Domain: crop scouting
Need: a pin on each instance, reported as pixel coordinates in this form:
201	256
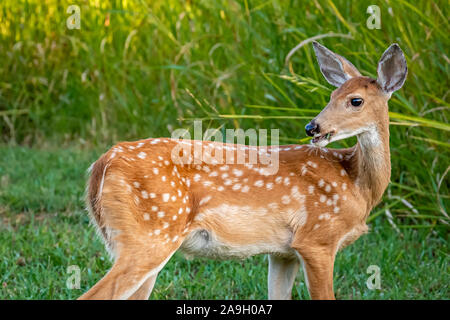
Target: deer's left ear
335	69
392	69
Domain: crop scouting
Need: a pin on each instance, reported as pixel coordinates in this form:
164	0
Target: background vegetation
137	69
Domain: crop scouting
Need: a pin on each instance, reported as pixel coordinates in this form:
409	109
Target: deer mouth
322	138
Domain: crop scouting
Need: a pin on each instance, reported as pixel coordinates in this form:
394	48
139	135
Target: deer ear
335	69
392	69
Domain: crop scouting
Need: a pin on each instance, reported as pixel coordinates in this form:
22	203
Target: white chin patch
321	143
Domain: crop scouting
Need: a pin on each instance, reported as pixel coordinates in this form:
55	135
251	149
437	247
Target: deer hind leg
143	293
132	275
142	250
147	226
282	272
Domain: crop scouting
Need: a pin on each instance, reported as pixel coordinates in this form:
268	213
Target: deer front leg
281	278
318	264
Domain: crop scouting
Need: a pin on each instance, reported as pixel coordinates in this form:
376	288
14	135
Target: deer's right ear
335	69
392	69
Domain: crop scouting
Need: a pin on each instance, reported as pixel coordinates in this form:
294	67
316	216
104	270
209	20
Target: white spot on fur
236	187
142	155
324	216
304	170
166	197
207	183
311	164
259	183
205	200
237	172
285	199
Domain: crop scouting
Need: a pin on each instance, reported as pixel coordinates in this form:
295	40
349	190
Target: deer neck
372	161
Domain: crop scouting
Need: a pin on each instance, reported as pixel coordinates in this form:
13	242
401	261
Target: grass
145	68
138	69
44	230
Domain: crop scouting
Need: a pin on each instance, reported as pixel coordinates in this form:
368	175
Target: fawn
147	206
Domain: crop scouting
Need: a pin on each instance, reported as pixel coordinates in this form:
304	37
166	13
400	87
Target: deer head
359	104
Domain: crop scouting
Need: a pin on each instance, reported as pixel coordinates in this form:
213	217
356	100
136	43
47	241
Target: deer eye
356	102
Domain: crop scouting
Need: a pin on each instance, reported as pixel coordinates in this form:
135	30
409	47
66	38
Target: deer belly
225	235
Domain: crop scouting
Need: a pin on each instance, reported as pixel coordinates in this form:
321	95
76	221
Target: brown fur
121	208
92	194
147	205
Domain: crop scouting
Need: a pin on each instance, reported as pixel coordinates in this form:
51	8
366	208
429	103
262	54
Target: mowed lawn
44	230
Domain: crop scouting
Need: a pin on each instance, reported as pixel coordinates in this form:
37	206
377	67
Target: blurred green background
138	69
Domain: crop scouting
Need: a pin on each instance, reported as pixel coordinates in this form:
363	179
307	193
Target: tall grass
137	69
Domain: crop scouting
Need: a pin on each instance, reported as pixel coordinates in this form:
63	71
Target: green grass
44	230
138	69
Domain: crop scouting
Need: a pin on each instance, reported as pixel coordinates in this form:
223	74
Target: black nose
312	128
